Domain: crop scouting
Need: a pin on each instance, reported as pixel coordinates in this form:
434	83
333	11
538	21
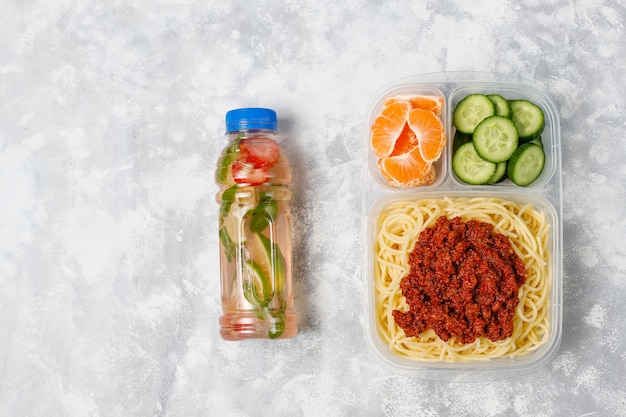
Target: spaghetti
398	228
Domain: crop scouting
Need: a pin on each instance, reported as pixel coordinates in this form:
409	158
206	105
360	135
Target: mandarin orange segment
406	170
420	101
406	141
429	177
388	126
430	133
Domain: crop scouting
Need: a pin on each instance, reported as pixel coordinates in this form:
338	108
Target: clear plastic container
545	195
255	229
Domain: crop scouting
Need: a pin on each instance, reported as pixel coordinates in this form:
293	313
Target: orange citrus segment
406	141
388	126
420	101
406	170
430	133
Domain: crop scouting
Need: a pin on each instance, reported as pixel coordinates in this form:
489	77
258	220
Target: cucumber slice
528	118
526	164
459	139
500	173
495	139
503	107
471	168
537	141
472	110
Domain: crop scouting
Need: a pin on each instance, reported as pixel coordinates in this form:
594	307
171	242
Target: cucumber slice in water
257	286
495	139
470	167
526	164
471	111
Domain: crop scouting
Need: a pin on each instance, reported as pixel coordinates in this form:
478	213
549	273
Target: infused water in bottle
255	229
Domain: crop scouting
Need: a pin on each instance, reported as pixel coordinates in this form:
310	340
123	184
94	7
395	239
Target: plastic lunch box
545	194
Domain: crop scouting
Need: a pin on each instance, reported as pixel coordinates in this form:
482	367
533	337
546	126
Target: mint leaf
227	242
264	213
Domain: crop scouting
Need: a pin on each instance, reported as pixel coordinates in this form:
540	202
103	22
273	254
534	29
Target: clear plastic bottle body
255	237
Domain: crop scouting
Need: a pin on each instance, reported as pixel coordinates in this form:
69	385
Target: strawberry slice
246	174
259	153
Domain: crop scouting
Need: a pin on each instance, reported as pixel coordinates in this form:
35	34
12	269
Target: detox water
254	176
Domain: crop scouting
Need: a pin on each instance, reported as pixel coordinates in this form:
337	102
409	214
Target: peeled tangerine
408	136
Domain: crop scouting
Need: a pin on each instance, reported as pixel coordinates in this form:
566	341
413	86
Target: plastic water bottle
255	229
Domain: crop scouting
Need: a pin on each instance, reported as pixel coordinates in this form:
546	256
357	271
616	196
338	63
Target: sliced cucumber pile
496	139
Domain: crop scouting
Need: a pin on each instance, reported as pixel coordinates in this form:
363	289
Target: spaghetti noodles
398	228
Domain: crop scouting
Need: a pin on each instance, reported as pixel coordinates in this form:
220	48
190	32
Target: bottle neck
251	133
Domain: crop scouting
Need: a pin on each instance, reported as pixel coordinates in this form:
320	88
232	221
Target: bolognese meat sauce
463	281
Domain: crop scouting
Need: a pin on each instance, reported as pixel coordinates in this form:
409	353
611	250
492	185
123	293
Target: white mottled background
111	119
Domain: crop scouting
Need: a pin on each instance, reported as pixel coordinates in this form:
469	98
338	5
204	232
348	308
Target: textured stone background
111	119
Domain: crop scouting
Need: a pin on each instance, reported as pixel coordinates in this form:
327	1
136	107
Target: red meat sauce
463	281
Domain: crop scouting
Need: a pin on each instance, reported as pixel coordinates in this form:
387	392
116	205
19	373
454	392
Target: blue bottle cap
250	118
